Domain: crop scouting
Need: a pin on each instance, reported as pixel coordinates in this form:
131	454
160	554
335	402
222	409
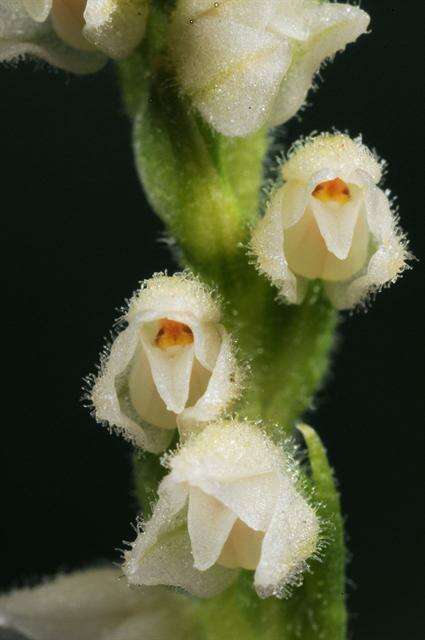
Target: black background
78	235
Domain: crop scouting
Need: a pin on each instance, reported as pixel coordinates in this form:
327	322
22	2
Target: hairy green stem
206	189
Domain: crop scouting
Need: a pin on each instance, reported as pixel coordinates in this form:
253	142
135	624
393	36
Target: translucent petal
243	548
144	394
230	68
290	540
225	452
209	524
308	255
252	499
162	553
332	27
267	245
110	396
207	343
171	371
222	387
337	222
329	155
385	266
181	296
291	201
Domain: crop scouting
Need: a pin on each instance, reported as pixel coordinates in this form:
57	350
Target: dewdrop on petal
74	35
250	64
330	221
173	366
229	502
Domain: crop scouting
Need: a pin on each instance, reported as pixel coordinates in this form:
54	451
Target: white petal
22	36
207	343
225	452
252	499
290	540
380	218
332	27
337	223
385	266
308	256
115	26
95	603
267	245
209	524
329	155
162	553
171	371
180	296
222	388
305	248
144	394
243	548
230	67
111	397
38	9
290	20
291	201
390	254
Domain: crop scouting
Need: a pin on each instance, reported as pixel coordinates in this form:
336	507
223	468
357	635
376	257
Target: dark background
78	235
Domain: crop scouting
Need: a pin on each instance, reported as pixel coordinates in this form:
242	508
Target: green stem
206	190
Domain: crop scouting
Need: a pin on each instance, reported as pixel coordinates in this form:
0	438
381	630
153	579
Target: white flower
173	366
75	35
91	605
249	64
230	501
330	221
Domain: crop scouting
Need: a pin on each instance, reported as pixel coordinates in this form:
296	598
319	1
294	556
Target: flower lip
335	190
172	333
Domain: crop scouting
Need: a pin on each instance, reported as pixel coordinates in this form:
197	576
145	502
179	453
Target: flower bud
230	501
74	35
173	366
250	64
330	221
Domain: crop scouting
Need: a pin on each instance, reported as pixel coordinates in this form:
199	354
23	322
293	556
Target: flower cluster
75	35
232	498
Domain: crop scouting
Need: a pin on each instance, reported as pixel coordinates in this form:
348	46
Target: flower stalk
206	189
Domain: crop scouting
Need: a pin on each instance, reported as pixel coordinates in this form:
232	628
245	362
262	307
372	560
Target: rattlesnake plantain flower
249	64
94	604
330	221
173	366
230	501
75	35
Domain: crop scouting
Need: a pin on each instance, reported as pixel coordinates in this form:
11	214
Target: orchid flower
330	221
229	502
173	366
